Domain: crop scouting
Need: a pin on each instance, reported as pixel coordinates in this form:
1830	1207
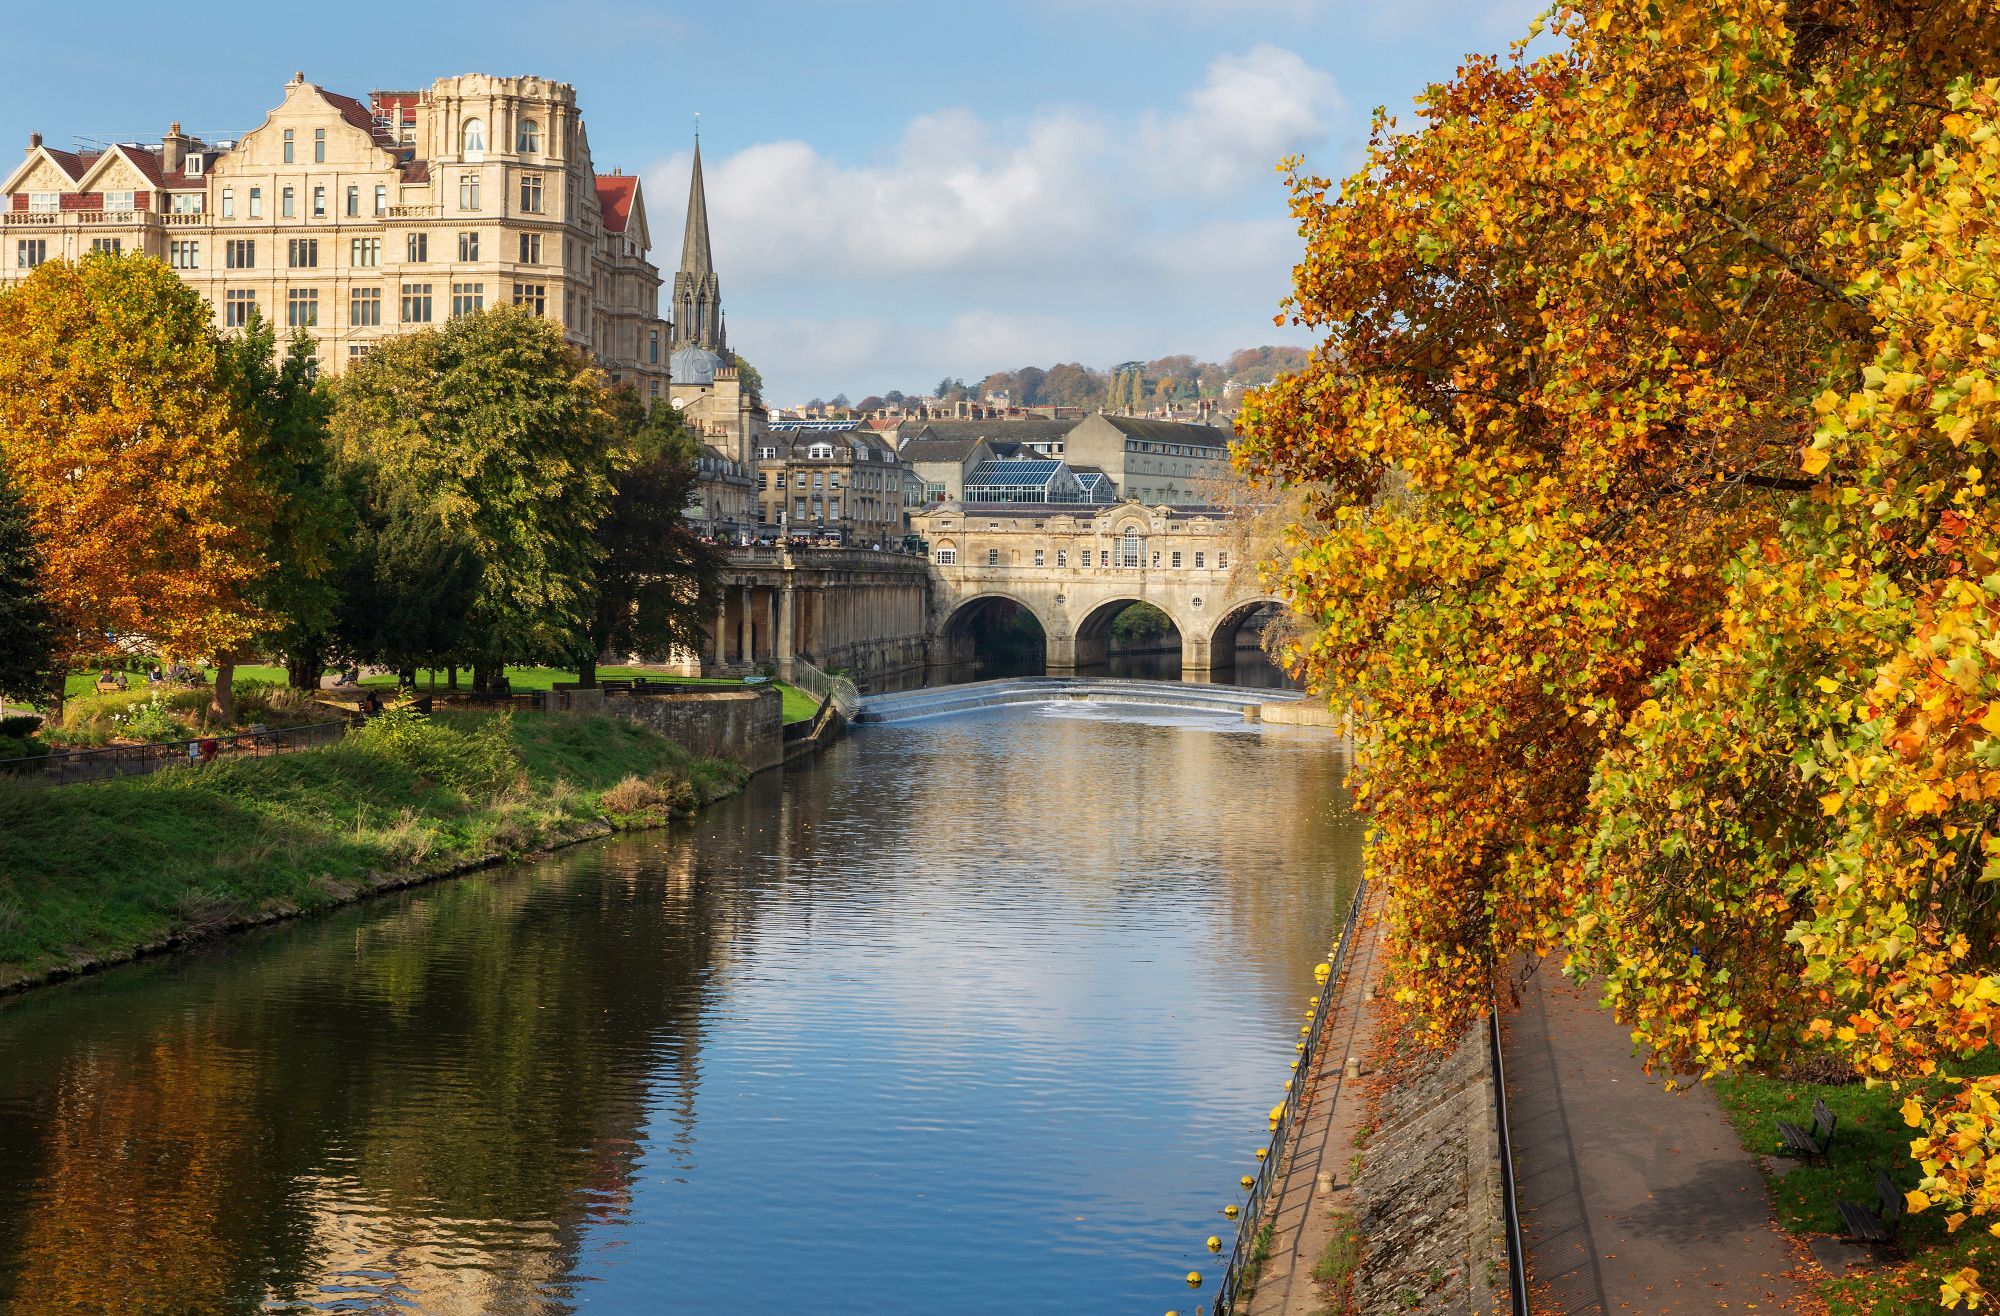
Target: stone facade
1075	568
359	221
838	480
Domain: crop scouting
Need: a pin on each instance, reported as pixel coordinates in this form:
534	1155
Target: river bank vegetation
465	496
1647	526
98	871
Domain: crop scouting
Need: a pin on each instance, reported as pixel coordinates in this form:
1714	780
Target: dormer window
820	452
191	166
475	139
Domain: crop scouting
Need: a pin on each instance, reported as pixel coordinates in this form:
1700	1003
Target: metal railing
1269	1168
822	687
1517	1264
62	769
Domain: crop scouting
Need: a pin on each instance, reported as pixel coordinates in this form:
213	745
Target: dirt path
1633	1199
1322	1144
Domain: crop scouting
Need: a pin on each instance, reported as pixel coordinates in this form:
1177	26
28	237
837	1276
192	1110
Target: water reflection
977	1015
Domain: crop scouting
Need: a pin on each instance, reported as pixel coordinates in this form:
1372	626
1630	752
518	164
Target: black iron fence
1517	1264
60	769
1257	1196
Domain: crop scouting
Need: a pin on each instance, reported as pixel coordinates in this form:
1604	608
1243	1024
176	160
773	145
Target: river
978	1014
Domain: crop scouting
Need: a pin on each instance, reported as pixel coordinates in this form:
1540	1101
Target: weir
909	705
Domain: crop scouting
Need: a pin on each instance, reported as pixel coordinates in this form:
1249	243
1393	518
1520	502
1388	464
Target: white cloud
974	245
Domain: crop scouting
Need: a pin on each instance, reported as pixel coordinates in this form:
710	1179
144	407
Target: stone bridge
1075	569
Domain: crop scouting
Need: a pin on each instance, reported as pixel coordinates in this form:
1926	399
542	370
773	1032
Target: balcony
30	218
429	211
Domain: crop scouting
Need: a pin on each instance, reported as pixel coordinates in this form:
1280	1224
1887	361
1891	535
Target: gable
114	172
351	138
38	173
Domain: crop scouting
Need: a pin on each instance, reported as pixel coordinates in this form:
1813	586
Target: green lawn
1870	1135
799	705
97	869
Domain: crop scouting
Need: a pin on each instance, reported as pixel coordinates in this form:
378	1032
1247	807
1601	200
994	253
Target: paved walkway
1633	1199
1322	1143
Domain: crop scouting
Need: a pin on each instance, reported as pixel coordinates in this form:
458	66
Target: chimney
174	149
34	142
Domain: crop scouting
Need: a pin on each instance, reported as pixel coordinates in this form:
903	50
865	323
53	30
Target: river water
979	1014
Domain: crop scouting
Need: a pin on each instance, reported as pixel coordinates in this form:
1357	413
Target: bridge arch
980	616
1231	620
1092	637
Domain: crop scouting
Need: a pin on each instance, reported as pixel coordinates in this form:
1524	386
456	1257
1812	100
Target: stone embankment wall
1428	1198
745	725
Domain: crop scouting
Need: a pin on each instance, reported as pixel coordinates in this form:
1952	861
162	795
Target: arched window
1129	556
475	139
528	137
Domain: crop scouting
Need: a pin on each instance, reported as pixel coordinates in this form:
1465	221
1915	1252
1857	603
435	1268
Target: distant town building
725	504
705	382
355	222
832	479
1157	462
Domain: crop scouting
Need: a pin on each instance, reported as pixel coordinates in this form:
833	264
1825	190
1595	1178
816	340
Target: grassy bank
99	872
1870	1135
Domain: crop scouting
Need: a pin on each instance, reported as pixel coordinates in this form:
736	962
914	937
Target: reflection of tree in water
434	1101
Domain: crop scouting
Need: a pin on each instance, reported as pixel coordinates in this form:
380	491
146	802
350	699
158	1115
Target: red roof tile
614	197
358	114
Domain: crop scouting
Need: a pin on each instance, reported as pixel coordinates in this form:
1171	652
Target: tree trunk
586	671
406	678
303	671
484	675
452	673
222	704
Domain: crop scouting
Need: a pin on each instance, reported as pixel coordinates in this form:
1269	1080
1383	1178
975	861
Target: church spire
697	297
695	257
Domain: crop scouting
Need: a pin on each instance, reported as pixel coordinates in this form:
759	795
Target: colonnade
860	617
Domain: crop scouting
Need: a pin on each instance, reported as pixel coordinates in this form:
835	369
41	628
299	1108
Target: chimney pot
175	127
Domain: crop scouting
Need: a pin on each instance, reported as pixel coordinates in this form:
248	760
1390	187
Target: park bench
614	684
1869	1226
1811	1144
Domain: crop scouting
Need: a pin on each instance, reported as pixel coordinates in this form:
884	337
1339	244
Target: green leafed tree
287	410
27	628
656	581
490	437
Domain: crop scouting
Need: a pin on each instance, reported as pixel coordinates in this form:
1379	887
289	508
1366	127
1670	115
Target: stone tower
697	293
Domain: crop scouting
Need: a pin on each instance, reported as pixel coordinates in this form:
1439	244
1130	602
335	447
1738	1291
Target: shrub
20	726
20	747
639	798
150	722
479	760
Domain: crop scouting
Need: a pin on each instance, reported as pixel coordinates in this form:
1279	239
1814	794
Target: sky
898	192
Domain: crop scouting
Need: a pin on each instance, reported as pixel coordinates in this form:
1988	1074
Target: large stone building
359	221
831	479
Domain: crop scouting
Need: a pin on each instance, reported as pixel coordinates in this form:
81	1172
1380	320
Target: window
468	191
108	246
763	479
798	509
238	305
355	351
302	308
256	203
381	198
833	509
319	146
1129	549
1198	560
816	480
192	166
1222	561
288	146
534	296
353	201
120	203
30	252
416	303
287	203
992	557
531	248
364	307
528	137
475	139
531	194
44	203
1156	559
1062	558
799	479
419	248
365	252
1038	558
820	452
947	557
229	203
302	253
184	254
767	454
319	203
467	298
1176	561
468	246
653	348
240	254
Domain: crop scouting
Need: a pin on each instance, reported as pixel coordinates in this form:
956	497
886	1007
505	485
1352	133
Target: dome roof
693	365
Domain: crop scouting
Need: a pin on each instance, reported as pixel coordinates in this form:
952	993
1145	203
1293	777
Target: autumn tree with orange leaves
123	441
1650	534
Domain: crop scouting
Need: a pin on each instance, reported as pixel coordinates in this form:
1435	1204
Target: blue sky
899	191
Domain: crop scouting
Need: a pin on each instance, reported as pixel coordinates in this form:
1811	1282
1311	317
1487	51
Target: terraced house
358	221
